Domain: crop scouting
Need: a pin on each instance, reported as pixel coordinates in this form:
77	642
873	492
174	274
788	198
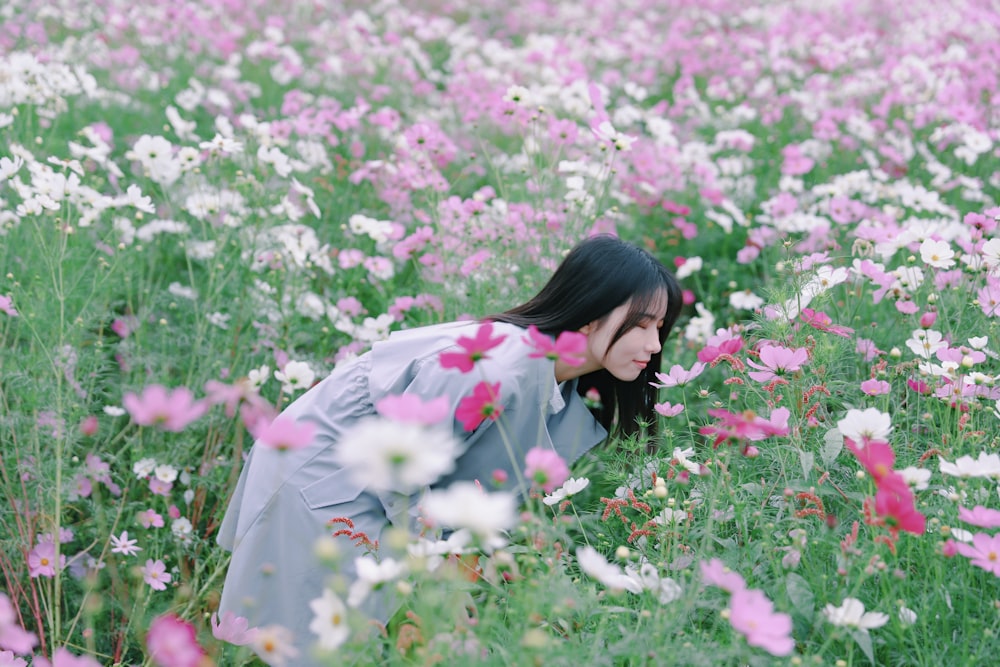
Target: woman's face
626	358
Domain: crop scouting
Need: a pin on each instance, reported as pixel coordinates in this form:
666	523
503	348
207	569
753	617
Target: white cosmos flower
330	620
851	614
570	487
986	465
937	254
609	574
991	253
370	575
389	455
917	478
666	589
466	505
868	423
295	375
925	342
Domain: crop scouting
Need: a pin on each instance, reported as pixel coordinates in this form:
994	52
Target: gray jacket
284	500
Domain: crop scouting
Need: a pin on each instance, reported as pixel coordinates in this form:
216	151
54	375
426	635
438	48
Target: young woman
617	295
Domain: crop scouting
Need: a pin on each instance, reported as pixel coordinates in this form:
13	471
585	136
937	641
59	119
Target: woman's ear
587	328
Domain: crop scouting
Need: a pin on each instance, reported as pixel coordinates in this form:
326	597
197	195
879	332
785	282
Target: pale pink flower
155	574
668	410
752	614
980	516
7	305
169	410
678	376
412	409
42	560
777	361
984	552
232	629
715	573
284	433
545	468
776	424
150	519
12	636
875	387
172	642
64	658
7	659
123	545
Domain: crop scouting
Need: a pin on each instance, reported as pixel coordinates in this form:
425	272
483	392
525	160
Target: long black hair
598	275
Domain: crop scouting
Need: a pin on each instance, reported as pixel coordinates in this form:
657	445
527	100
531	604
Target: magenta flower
820	320
155	574
484	403
569	347
171	411
753	615
980	516
876	456
715	573
172	642
545	468
678	376
777	361
776	424
411	409
740	426
875	387
12	636
232	629
284	433
42	560
984	552
473	349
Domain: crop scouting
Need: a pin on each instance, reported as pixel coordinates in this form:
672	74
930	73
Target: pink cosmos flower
7	659
741	426
715	573
232	629
678	376
169	410
42	560
753	615
777	361
284	433
776	424
172	642
568	347
155	574
160	488
411	409
984	552
668	410
719	345
820	320
150	519
63	658
7	306
473	349
876	456
545	468
875	387
483	403
12	636
980	516
894	501
123	545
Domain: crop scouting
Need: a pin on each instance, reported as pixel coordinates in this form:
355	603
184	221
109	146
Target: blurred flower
907	616
875	387
607	133
155	574
752	614
568	347
545	468
466	505
851	613
678	376
168	410
715	573
473	349
150	519
917	478
595	565
986	465
273	643
412	409
7	659
284	433
668	410
740	426
42	560
391	456
232	628
7	306
64	658
12	636
980	516
984	552
484	403
172	642
330	620
369	575
123	545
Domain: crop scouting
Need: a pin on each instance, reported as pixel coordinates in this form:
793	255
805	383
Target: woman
617	295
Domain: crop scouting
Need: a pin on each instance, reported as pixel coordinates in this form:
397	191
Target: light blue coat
284	500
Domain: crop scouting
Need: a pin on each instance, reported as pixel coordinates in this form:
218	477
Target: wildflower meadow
207	205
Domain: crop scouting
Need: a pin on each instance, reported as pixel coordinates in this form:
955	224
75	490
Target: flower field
205	206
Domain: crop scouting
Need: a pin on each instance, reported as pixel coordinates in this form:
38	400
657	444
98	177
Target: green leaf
833	443
800	594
